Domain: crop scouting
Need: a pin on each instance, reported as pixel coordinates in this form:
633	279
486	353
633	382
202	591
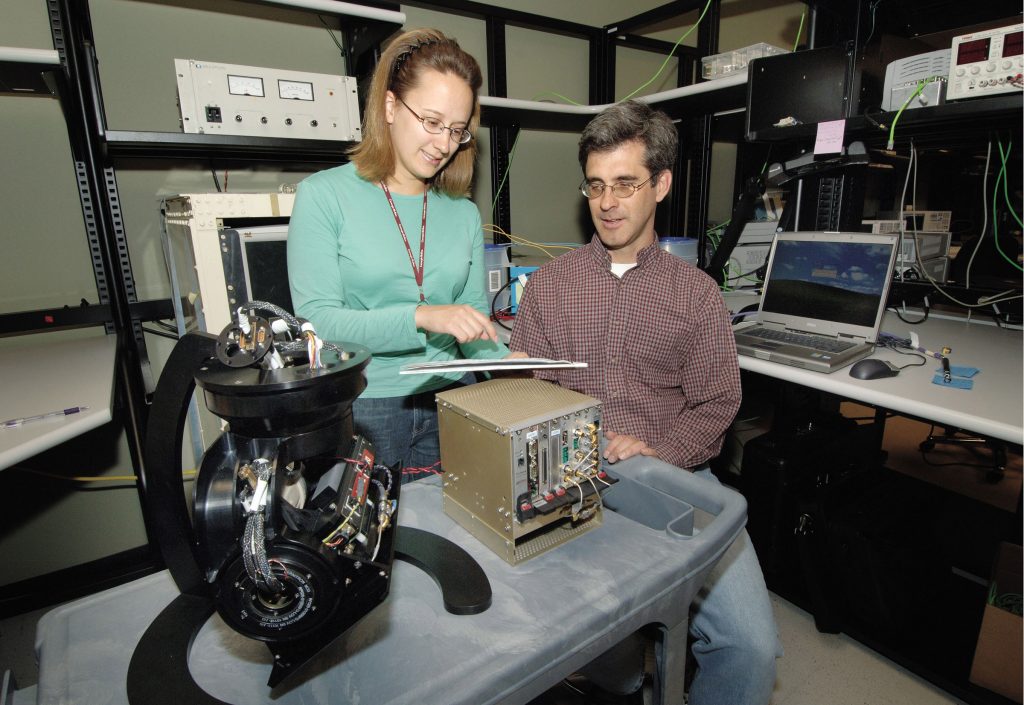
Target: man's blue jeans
732	625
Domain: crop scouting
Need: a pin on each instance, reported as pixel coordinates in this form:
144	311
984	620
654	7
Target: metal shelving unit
694	101
945	123
954	127
71	73
179	145
710	96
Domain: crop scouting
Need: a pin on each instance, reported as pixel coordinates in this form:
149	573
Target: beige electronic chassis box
521	464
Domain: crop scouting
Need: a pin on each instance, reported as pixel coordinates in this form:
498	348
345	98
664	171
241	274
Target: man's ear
662	185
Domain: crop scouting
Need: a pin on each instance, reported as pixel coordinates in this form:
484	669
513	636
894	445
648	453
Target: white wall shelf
28	71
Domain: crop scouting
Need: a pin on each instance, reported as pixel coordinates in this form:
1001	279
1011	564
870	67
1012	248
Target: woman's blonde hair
398	71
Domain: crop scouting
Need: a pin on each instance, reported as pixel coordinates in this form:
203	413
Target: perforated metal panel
513	404
545	541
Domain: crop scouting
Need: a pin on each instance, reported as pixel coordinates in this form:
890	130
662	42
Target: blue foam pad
957	382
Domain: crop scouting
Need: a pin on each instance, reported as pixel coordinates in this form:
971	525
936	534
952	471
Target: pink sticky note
830	137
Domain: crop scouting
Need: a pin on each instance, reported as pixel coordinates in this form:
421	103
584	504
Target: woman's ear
389	107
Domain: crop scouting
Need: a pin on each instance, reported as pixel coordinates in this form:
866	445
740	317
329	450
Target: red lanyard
416	271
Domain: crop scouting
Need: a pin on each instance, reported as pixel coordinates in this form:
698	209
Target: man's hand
620	446
462	322
516	355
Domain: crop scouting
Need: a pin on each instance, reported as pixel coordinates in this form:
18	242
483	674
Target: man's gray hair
632	121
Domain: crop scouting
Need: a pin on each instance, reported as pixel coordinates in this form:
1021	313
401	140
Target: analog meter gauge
245	85
295	90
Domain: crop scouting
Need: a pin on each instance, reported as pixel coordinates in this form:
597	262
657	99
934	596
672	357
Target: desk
43	373
894	536
549	616
993	408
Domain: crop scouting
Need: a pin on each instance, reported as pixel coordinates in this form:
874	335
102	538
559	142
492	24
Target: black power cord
494	301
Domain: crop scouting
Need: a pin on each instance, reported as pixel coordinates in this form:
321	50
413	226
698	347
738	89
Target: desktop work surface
549	616
45	373
993	407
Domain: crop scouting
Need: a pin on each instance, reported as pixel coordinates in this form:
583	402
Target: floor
814	664
850	673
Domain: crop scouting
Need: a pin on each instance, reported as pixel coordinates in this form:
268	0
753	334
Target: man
656	336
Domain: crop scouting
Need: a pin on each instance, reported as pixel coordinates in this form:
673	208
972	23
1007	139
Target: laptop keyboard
808	341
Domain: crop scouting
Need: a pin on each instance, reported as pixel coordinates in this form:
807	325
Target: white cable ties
274	360
243	321
258	500
259	497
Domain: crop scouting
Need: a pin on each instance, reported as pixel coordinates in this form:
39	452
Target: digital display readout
972	52
1012	44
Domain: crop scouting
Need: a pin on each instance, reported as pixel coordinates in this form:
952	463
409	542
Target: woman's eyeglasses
435	127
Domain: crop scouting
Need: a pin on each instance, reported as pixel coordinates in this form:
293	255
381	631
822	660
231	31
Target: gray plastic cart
550	616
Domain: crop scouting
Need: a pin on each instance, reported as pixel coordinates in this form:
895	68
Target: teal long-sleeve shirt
350	274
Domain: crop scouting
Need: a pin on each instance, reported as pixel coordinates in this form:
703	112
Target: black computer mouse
873	368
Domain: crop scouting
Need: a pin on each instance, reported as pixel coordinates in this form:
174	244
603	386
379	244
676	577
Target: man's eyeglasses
436	127
594	189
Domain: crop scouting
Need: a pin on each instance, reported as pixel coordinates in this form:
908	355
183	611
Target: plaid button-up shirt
658	345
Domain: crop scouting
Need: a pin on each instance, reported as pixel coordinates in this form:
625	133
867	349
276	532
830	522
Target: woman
387	251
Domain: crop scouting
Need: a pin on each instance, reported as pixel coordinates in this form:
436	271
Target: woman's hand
462	322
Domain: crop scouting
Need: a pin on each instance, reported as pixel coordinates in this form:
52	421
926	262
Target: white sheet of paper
518	363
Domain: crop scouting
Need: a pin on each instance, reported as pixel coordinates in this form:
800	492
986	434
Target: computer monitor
800	88
256	265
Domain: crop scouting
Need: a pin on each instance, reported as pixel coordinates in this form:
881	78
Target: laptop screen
829	282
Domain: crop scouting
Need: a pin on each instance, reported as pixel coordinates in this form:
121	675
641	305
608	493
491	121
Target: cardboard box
998	657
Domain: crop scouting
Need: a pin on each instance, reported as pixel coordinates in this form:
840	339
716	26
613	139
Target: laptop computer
823	299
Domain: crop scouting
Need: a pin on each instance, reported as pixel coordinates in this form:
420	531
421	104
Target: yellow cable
524	241
518	240
498	230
